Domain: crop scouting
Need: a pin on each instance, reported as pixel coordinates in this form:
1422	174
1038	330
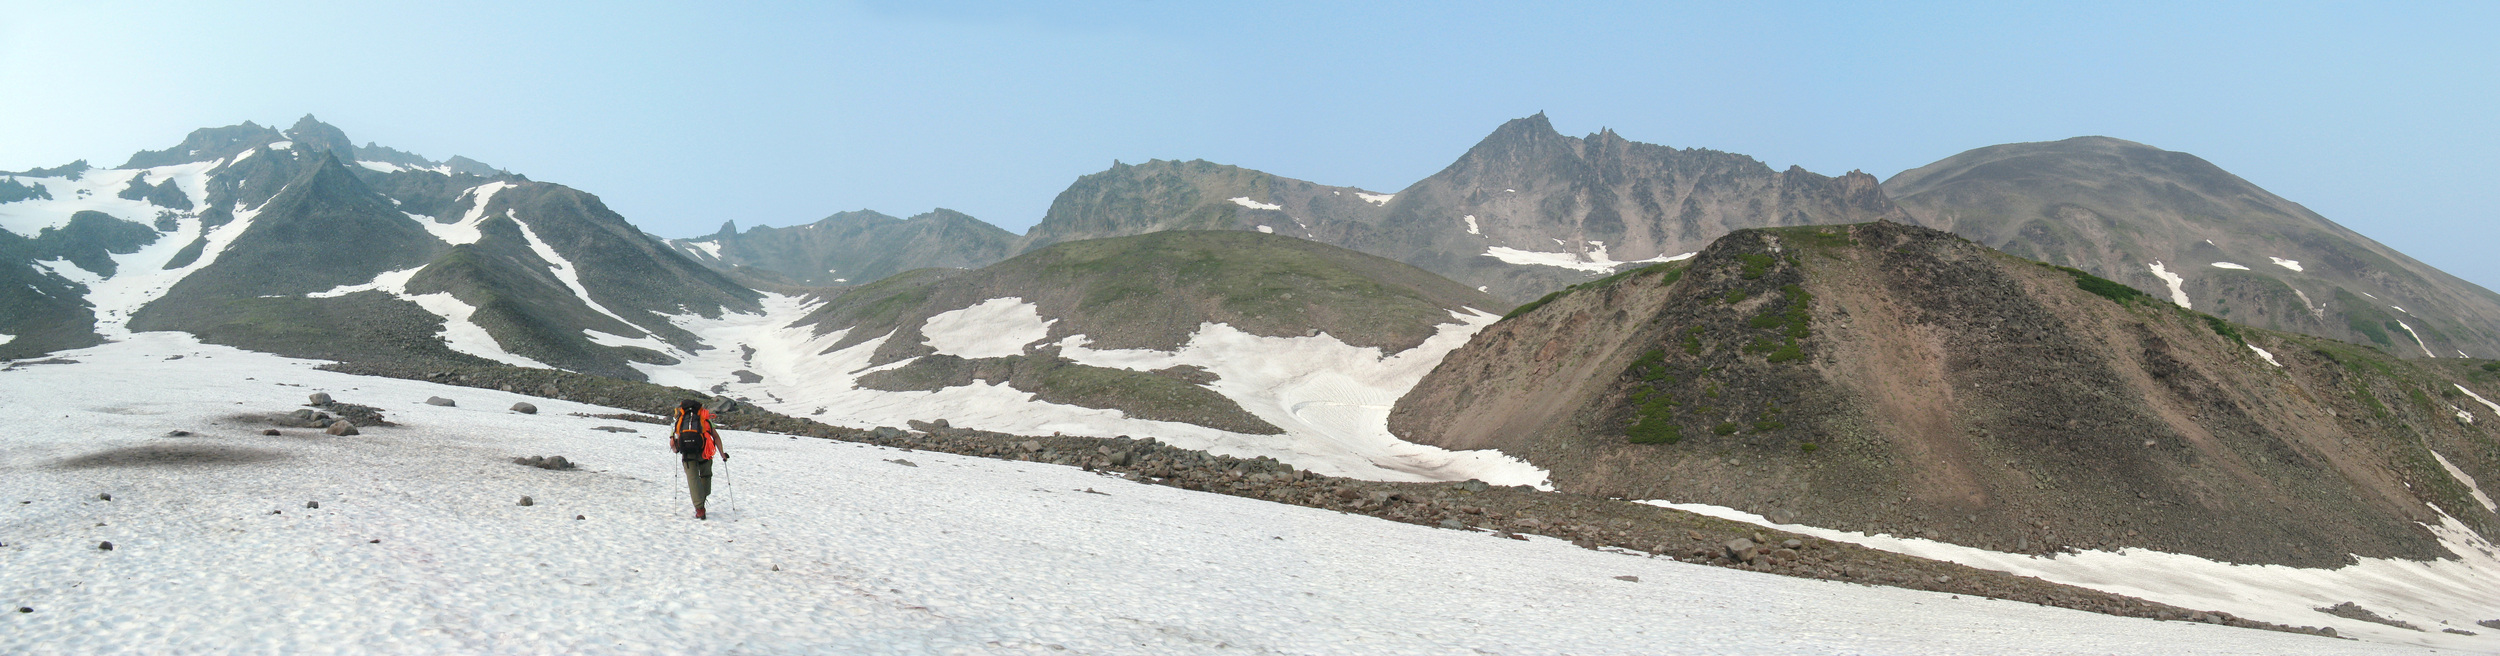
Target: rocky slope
851	247
1524	212
1891	378
286	242
2146	216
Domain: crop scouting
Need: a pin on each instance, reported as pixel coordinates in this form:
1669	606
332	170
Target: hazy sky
682	115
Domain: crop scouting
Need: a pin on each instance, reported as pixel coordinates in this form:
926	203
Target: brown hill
1891	378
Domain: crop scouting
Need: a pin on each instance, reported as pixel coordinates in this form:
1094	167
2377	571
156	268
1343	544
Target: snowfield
418	546
1331	398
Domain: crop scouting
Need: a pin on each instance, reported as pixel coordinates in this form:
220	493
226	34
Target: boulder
320	398
269	431
525	500
1742	550
888	433
312	504
436	400
525	408
1473	485
1031	446
556	462
341	428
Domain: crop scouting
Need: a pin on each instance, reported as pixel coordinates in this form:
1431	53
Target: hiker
695	442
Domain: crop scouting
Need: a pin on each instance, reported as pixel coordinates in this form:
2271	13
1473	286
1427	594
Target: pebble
108	496
269	431
312	504
104	546
525	500
1627	577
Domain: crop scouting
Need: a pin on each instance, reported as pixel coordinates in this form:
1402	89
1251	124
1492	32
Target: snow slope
1331	398
2443	594
828	547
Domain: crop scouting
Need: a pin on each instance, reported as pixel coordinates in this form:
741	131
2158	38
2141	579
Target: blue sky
681	117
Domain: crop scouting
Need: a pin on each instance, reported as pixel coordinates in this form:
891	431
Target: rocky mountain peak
205	145
313	134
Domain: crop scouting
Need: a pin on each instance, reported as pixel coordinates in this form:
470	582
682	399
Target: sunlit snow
1245	201
2470	485
1471	225
2417	339
815	546
1594	261
2440	593
2229	265
994	328
2478	398
2262	353
2177	295
1266	229
2288	264
1375	199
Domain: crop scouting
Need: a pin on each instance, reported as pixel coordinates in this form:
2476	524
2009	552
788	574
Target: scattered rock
613	429
1453	524
531	461
2458	632
525	500
2489	624
269	431
2352	611
104	546
940	423
579	517
747	377
1473	485
1794	543
906	463
556	463
321	398
178	433
1628	577
1031	446
25	609
436	400
341	428
312	504
525	408
888	433
374	541
108	496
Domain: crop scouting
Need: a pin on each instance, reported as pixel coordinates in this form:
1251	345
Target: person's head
690	405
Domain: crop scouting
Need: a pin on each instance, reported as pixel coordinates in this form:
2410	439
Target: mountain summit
2204	238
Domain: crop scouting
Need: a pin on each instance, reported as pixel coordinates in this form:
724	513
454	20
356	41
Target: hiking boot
698	513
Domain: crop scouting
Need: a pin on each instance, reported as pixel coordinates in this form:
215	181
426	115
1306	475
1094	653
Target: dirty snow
994	328
1245	201
2417	340
2461	477
2228	265
2288	264
2453	593
1375	199
2262	353
817	547
2177	295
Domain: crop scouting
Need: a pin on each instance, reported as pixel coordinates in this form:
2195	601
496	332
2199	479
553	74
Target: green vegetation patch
2105	288
2225	329
1755	264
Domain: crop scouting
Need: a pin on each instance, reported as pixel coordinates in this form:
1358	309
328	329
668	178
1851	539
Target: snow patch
385	167
2417	340
1245	201
711	248
994	328
1595	261
465	230
2177	295
2495	407
1375	199
5	338
563	268
2288	264
2461	477
1266	229
1471	225
2448	592
2262	353
2400	308
2229	265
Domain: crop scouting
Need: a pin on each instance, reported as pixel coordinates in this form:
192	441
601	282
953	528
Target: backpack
687	439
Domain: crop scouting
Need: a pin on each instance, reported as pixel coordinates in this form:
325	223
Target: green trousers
699	480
